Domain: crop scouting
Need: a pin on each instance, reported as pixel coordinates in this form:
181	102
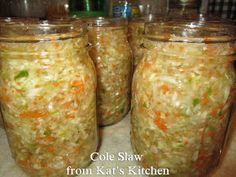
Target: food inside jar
136	37
181	100
48	102
111	54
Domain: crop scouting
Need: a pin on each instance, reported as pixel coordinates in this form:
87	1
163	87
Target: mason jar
112	56
136	30
136	35
182	95
48	95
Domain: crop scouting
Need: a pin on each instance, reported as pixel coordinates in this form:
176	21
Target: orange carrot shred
159	123
146	65
45	138
79	85
165	88
51	149
33	114
205	99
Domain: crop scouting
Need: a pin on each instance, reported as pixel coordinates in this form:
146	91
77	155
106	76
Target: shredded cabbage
48	104
181	97
111	54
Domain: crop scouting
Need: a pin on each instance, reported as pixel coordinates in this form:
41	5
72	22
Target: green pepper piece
196	101
23	73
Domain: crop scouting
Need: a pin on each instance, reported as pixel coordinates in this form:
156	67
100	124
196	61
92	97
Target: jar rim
105	22
204	29
146	19
33	29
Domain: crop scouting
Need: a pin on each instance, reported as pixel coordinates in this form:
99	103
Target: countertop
116	139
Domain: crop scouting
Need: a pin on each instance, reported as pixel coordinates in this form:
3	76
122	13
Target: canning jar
182	95
136	30
112	56
136	35
48	95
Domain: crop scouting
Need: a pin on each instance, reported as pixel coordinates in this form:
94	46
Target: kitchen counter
115	140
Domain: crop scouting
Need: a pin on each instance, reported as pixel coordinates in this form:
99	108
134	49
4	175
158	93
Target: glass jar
1	120
136	30
182	95
48	87
27	8
57	9
112	56
136	36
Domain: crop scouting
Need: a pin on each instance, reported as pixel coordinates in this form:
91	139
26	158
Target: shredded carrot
56	44
3	47
45	139
35	125
20	91
121	49
222	117
58	99
211	51
70	116
77	149
104	39
24	163
79	86
54	39
221	106
34	114
205	99
3	90
68	104
230	59
165	88
78	100
186	141
9	125
5	99
177	114
43	164
214	112
86	77
51	149
146	65
37	86
142	109
211	134
114	66
56	84
159	123
167	114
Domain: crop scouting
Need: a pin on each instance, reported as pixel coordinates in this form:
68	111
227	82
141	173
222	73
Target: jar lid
203	29
23	29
